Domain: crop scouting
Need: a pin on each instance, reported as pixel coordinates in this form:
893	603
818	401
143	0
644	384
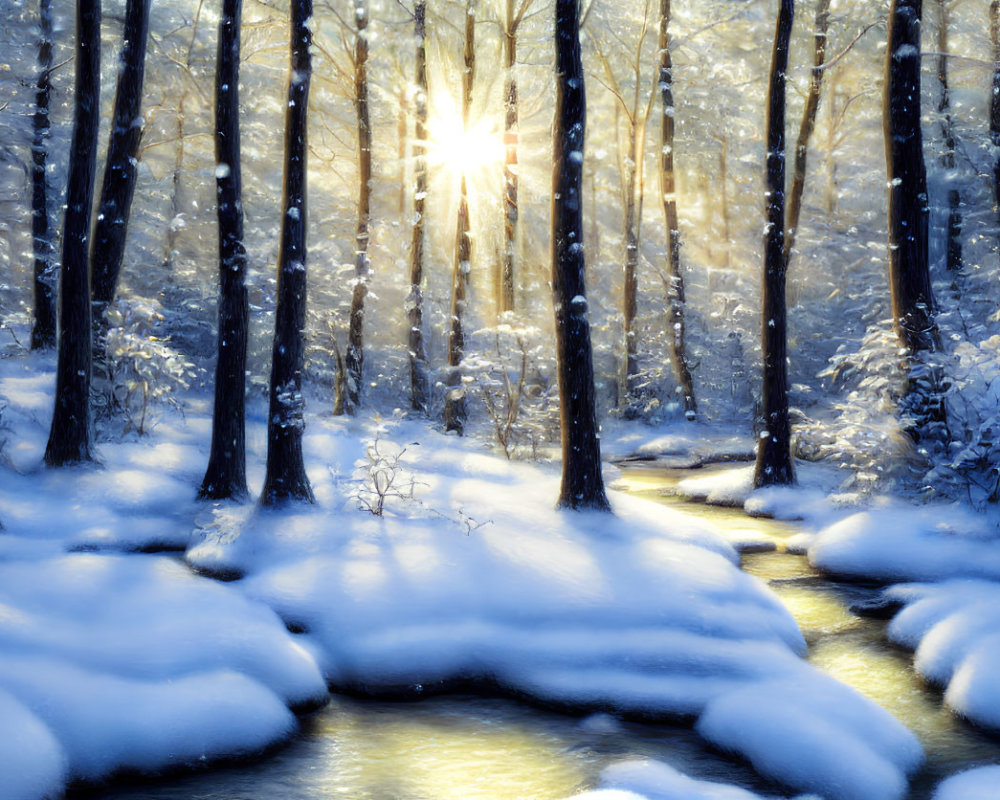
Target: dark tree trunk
121	166
909	274
355	338
226	473
510	136
807	126
455	413
286	477
995	96
419	382
43	331
582	481
70	434
668	196
953	246
774	455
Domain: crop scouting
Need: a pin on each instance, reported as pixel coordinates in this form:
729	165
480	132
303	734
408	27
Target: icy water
473	748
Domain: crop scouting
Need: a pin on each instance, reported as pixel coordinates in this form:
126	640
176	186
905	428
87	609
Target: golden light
476	150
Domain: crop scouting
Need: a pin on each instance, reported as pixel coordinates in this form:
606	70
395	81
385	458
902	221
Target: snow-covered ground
114	659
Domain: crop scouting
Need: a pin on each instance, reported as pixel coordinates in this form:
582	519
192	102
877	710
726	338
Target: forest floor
116	655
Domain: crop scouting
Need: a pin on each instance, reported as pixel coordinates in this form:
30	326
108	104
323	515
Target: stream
476	748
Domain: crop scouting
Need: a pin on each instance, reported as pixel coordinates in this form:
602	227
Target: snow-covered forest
199	552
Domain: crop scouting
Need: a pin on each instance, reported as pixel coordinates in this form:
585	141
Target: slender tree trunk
226	473
70	436
727	236
43	331
774	456
807	126
455	414
121	166
995	96
582	481
286	477
909	274
176	204
510	137
630	287
668	197
354	362
953	247
419	383
402	147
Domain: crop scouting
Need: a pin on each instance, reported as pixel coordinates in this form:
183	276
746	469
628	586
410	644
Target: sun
460	151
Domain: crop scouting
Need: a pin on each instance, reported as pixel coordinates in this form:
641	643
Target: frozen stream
477	748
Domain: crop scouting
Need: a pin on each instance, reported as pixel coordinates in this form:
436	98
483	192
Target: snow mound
975	784
32	762
897	544
120	666
954	627
815	734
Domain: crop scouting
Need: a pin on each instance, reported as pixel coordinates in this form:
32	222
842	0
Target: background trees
165	318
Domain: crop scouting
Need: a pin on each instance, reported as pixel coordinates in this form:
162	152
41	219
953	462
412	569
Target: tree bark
43	331
909	274
807	126
630	287
774	457
995	96
953	245
121	165
286	477
354	361
226	473
668	195
582	482
419	383
70	436
455	414
510	137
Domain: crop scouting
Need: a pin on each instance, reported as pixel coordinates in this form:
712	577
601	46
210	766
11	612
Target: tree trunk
807	126
953	247
774	456
995	96
668	195
70	435
419	383
354	362
455	413
43	331
582	481
630	286
510	136
909	275
286	477
226	473
121	165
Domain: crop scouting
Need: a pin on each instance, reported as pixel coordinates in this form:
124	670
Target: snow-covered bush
511	373
863	436
138	371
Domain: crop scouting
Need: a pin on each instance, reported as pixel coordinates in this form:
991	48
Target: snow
975	784
644	779
115	660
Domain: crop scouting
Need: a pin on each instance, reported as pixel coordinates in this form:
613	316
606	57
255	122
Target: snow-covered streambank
114	661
